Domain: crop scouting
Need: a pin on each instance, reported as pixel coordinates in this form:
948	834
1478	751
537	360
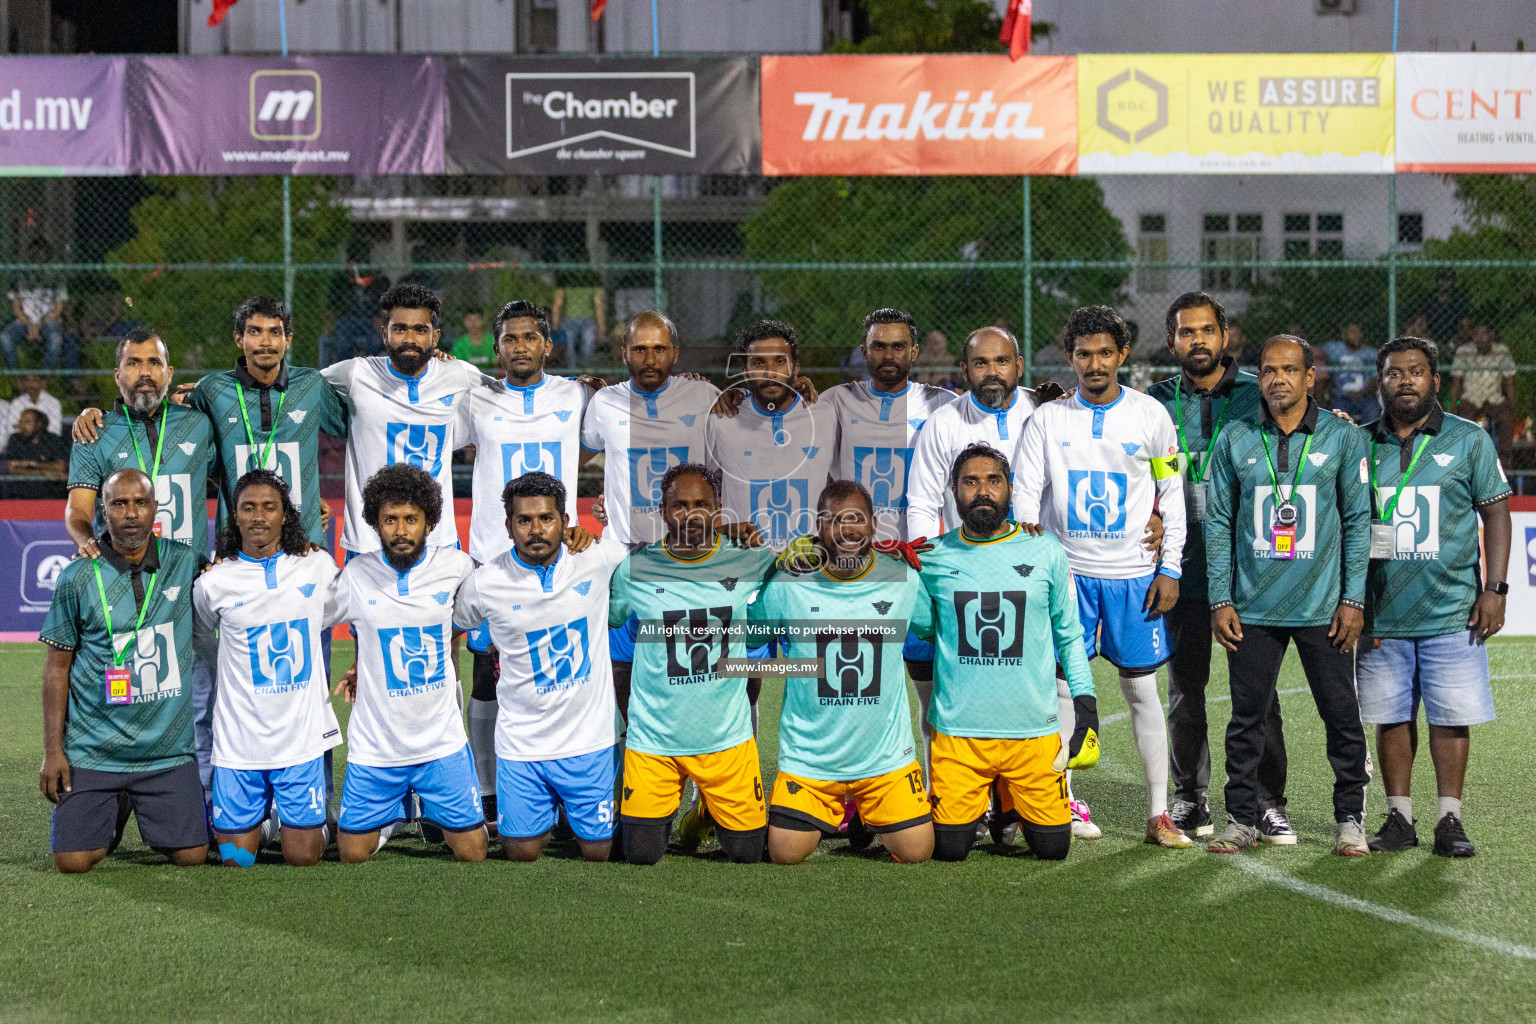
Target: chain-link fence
1346	262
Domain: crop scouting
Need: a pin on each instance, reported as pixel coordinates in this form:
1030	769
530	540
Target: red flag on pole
220	8
598	7
1015	27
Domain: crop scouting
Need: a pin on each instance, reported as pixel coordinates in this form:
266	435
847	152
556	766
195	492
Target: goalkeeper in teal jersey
847	733
683	601
1002	598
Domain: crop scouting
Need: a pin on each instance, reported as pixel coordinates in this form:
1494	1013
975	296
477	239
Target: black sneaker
1193	818
859	835
1396	834
489	804
1275	828
431	833
1451	839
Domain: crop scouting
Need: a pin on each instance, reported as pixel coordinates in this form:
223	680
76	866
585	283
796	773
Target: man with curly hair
405	735
259	614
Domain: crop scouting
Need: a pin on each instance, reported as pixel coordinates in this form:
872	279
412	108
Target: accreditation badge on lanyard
1383	530
1194	480
1282	532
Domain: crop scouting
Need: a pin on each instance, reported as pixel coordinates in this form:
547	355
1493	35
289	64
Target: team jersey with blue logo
854	722
685	615
181	485
772	465
397	419
260	621
1092	474
1001	607
536	429
642	434
407	708
148	727
1428	588
1333	525
286	420
950	430
877	434
550	627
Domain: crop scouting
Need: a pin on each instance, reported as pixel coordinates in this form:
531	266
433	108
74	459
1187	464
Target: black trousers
1189	747
1254	668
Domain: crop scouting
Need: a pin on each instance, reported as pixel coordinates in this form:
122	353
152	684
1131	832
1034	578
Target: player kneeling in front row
683	601
260	612
557	722
848	733
1002	597
405	735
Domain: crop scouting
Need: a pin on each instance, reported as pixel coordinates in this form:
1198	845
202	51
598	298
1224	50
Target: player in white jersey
405	735
775	454
530	422
1091	469
259	612
558	728
403	409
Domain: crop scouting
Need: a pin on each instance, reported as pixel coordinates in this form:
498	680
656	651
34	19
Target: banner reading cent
1466	112
927	114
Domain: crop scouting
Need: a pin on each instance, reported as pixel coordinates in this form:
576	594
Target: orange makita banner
931	114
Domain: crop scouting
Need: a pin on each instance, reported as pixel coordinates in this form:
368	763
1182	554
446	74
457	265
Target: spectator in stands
1483	386
934	365
1353	364
354	301
855	366
579	313
1445	310
35	450
476	345
38	304
33	396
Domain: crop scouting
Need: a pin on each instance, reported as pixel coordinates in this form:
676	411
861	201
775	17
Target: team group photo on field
613	511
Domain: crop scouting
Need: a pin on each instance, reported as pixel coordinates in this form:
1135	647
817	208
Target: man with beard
684	601
117	717
1091	468
558	725
529	422
774	455
173	446
1288	539
1430	603
1002	595
259	613
847	735
1209	393
404	408
405	735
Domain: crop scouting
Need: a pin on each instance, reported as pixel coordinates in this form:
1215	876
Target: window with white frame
1313	236
1227	240
1152	247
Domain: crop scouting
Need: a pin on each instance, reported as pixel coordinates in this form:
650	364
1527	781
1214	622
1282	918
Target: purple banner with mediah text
286	115
62	115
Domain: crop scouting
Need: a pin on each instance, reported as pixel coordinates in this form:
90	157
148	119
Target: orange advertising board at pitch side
930	114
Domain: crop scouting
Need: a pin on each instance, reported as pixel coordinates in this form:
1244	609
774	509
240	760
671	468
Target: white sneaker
1082	825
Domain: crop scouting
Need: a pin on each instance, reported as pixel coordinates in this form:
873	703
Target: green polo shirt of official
286	419
1199	414
1429	587
152	729
181	481
1332	500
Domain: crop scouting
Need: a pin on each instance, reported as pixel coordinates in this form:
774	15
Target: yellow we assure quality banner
1235	113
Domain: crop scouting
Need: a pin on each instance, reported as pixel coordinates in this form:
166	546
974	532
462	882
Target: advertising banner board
62	115
1460	113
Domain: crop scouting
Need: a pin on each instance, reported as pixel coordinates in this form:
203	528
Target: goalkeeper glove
799	556
902	550
1083	749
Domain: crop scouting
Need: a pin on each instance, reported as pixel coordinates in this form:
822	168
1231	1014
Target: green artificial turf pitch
1118	932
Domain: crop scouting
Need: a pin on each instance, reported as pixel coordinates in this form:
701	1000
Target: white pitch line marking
1275	876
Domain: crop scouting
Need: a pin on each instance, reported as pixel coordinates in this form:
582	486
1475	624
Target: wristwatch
1502	589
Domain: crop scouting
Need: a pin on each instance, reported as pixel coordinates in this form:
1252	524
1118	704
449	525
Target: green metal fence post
656	237
1026	338
288	241
1392	257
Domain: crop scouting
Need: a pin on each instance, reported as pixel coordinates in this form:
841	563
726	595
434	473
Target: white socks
482	743
1067	716
1402	805
1151	731
1449	805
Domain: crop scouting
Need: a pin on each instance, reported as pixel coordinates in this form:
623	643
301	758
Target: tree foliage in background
227	220
933	26
1317	303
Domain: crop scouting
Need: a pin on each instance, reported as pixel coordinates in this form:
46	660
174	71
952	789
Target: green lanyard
159	443
1270	462
250	438
1386	513
1196	467
106	608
